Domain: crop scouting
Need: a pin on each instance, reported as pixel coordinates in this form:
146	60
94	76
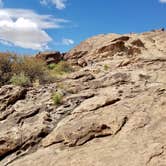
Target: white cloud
26	29
162	1
67	41
59	4
64	41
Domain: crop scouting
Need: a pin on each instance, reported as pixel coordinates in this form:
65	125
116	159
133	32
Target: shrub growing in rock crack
57	98
106	67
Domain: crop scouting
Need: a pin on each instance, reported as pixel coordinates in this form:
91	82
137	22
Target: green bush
51	66
20	80
57	98
106	67
62	68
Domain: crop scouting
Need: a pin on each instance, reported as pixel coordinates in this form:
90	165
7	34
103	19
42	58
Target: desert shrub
106	67
20	80
32	67
6	60
11	65
51	66
62	68
57	98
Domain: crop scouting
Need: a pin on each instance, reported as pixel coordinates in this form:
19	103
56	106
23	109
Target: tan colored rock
82	62
9	140
113	111
9	95
95	103
141	137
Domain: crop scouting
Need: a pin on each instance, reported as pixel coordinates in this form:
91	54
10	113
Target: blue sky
29	26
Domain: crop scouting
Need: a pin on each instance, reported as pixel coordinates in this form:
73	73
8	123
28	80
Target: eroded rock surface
113	111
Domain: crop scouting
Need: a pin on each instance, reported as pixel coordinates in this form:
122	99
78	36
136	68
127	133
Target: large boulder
50	57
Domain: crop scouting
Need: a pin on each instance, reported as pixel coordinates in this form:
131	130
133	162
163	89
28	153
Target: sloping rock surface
113	112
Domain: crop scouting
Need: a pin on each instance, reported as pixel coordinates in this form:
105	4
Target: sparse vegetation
6	60
61	68
33	68
20	80
106	67
57	98
51	66
22	69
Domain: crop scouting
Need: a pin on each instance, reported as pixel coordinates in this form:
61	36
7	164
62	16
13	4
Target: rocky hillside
112	112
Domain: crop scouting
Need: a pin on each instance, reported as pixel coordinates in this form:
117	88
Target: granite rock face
113	111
